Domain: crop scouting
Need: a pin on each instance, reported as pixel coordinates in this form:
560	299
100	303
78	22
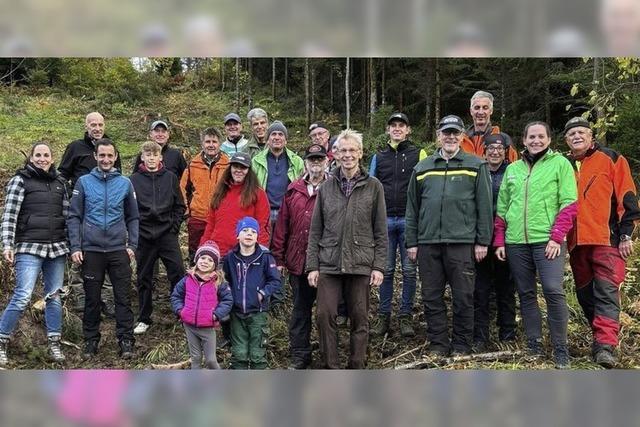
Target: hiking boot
297	364
55	351
561	356
141	328
381	325
406	327
108	310
605	358
126	349
534	349
460	351
436	351
4	360
480	346
90	349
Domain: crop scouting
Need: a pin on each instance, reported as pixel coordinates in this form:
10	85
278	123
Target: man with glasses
448	229
319	134
491	273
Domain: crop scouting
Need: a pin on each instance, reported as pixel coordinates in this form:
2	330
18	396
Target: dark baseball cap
499	138
316	125
315	150
241	159
451	122
158	123
576	122
398	116
232	116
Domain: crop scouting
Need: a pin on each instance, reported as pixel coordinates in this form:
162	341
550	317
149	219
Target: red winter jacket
291	234
221	223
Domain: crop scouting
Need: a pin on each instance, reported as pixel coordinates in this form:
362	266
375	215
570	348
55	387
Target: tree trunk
331	89
286	76
249	83
364	91
373	106
347	95
237	84
437	94
383	84
273	79
428	99
313	90
597	64
306	93
222	74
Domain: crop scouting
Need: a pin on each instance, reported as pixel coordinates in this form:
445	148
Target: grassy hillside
26	117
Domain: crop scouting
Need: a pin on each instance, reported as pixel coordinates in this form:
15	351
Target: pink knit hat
208	248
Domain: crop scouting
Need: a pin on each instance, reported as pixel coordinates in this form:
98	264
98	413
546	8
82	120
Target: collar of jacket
105	175
501	169
526	157
90	140
458	156
471	131
261	157
32	171
143	169
257	254
337	174
595	147
401	146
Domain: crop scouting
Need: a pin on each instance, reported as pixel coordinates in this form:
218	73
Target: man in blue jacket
103	235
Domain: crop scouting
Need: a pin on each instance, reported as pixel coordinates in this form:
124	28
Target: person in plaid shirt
34	240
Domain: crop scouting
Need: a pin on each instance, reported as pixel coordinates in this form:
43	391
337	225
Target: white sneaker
141	328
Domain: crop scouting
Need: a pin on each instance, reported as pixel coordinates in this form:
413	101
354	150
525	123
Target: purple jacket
196	303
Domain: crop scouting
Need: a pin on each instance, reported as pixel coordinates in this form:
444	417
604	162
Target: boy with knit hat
253	277
201	300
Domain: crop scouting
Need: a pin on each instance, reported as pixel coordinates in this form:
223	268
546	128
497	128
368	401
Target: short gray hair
481	94
257	113
352	135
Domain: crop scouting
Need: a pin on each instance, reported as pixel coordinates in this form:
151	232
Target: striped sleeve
13	201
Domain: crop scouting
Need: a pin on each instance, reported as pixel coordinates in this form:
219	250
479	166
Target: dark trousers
598	272
195	229
440	264
525	260
300	325
356	295
493	274
94	266
278	296
166	248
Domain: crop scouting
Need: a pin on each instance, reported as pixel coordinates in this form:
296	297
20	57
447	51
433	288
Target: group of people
475	215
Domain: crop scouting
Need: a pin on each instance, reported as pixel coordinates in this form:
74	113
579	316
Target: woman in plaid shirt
34	239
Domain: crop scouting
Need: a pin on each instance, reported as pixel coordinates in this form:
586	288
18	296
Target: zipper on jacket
444	186
153	201
584	194
195	315
50	214
106	198
526	201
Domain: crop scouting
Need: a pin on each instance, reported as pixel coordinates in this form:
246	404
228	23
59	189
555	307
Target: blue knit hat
247	222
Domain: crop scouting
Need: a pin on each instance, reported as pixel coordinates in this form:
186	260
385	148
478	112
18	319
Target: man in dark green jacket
448	228
347	250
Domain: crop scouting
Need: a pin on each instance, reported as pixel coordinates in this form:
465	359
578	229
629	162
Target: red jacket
607	199
291	234
221	223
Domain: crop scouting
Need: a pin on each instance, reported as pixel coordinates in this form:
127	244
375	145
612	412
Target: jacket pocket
363	251
328	253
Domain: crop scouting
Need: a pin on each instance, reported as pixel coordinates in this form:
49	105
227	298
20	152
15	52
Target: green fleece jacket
449	201
259	166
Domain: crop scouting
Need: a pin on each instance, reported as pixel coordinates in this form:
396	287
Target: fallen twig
179	365
496	355
70	344
386	362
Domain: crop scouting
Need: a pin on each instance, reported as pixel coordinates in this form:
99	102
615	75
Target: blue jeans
395	230
28	268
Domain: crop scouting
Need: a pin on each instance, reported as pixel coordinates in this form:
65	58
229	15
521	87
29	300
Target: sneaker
380	325
4	360
561	356
141	328
406	327
55	351
605	358
534	349
126	349
90	349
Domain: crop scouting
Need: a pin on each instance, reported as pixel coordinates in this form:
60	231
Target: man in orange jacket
481	110
600	240
199	182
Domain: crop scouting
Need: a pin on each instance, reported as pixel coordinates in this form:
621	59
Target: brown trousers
356	295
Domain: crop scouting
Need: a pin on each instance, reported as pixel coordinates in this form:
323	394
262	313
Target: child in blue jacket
201	299
253	277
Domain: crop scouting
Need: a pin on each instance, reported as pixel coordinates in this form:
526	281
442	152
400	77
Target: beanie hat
576	122
278	126
247	222
209	248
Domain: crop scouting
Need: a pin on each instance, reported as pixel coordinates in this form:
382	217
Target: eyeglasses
348	151
495	148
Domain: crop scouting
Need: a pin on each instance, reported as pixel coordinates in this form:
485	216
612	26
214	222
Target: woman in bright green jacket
536	209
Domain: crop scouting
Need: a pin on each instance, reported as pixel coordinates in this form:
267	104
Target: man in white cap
235	141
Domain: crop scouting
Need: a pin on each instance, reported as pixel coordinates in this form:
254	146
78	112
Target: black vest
41	219
393	170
